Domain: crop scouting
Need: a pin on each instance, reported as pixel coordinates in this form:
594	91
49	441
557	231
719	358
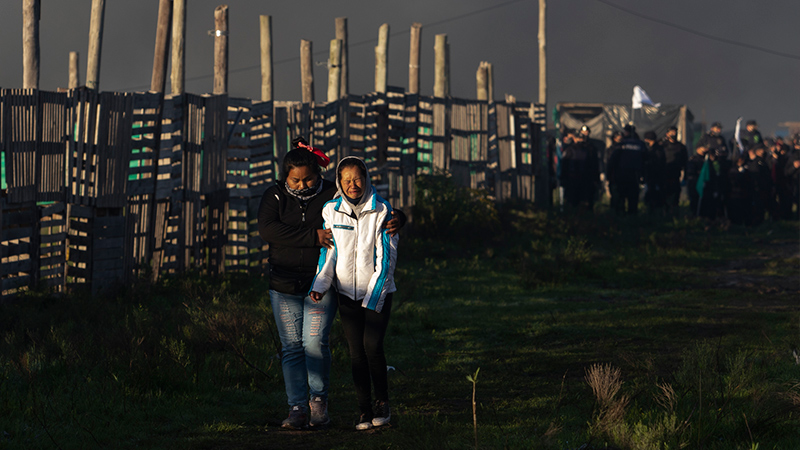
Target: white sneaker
364	423
382	414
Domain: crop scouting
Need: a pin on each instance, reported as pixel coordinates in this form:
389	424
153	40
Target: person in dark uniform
750	136
613	193
654	174
783	208
762	177
693	168
625	171
740	200
721	153
580	173
675	158
792	178
598	145
714	142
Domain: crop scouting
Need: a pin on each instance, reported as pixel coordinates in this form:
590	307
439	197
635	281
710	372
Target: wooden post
178	76
341	34
158	81
447	69
381	59
542	193
74	74
413	58
306	71
266	58
440	80
95	44
334	70
221	50
542	55
482	82
30	44
490	81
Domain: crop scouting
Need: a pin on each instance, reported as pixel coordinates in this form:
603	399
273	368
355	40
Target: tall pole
413	58
178	76
306	71
440	70
490	81
341	34
221	50
30	44
542	194
74	74
334	70
95	44
381	59
481	80
542	55
266	58
158	81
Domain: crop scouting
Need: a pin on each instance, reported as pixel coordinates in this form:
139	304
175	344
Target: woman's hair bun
298	140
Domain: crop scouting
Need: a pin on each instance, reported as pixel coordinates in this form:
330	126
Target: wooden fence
100	188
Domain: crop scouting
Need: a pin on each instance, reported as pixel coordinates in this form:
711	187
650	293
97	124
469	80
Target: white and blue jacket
364	256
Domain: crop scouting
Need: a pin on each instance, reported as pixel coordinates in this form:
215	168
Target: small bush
446	211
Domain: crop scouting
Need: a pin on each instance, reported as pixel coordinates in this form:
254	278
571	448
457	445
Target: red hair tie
322	159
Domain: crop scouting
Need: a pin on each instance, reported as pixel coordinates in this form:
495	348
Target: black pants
627	193
365	330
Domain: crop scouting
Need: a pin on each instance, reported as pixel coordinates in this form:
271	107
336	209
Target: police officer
740	200
693	168
675	159
625	171
714	142
580	172
654	173
751	136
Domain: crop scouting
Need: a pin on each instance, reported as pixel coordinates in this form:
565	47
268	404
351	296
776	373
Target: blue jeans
304	328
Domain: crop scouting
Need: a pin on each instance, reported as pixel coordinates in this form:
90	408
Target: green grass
700	320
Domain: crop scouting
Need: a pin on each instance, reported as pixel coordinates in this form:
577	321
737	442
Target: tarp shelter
605	118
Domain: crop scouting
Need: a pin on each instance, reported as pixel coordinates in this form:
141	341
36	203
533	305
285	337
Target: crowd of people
745	180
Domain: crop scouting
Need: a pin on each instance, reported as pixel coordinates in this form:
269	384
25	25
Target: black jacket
289	226
676	157
715	143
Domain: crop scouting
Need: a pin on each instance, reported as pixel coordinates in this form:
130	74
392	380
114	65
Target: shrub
444	210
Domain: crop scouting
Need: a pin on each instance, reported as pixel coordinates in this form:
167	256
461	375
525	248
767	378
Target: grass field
577	332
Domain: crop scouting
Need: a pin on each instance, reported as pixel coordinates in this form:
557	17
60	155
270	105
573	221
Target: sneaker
364	422
319	412
297	420
382	414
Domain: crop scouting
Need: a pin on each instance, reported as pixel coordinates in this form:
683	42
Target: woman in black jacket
290	220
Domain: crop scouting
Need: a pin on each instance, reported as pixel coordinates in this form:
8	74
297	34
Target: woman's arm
385	263
326	267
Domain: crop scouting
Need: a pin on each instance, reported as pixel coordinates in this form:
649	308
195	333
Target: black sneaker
319	412
297	420
364	422
382	413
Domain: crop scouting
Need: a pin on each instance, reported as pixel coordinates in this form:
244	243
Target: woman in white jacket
361	264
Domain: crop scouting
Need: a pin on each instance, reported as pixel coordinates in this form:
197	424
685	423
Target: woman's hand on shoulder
394	224
325	238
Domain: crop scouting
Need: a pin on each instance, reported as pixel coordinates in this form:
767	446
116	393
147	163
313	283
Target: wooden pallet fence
96	237
19	263
250	172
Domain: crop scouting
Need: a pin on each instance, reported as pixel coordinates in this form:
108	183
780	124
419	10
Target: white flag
640	98
738	135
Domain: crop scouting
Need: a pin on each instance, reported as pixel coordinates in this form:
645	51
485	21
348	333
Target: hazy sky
596	52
